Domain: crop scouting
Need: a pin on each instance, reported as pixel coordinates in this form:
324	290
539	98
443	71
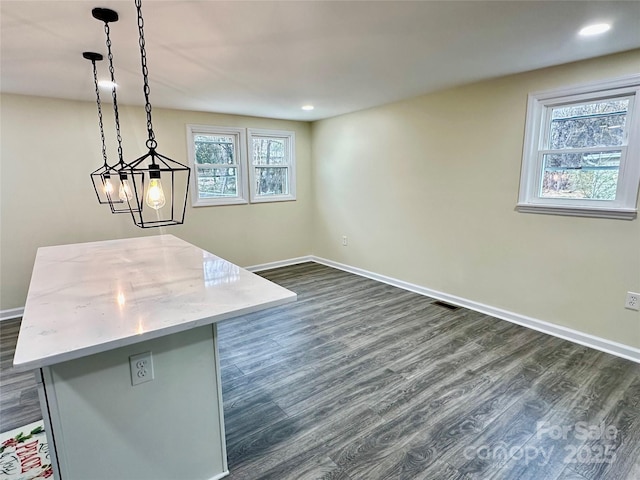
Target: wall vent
446	305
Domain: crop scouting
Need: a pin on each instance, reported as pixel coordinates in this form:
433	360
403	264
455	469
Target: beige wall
425	190
49	147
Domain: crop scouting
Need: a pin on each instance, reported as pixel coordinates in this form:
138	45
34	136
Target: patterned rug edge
24	453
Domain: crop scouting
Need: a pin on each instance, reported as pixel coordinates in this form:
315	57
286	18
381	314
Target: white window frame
538	118
291	155
240	163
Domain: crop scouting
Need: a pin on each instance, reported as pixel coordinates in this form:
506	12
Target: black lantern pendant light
101	177
121	193
164	201
153	188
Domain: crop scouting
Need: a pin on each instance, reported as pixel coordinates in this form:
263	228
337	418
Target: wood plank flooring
361	380
19	404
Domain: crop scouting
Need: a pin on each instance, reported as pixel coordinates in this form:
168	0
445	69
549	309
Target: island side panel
170	427
45	406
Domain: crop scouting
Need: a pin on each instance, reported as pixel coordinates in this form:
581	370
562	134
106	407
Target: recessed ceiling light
107	84
595	29
307	107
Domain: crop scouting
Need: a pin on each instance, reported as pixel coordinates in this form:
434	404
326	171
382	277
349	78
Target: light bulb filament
108	186
155	194
125	193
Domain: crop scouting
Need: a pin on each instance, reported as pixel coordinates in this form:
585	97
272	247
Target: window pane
217	182
581	175
272	180
599	124
269	151
218	149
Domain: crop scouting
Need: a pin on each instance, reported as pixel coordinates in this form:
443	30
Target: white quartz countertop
92	297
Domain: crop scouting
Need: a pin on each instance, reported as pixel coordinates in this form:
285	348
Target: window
217	156
581	151
272	169
221	170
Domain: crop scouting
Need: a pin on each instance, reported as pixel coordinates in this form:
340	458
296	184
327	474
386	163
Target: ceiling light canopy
595	29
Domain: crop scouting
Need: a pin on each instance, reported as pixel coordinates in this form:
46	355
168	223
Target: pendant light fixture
121	193
101	178
164	201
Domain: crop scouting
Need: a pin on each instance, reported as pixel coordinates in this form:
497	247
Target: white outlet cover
632	301
141	366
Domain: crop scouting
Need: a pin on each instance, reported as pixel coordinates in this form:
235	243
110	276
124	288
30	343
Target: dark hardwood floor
19	404
361	380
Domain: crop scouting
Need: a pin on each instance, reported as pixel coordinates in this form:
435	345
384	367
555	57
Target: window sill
275	198
618	213
218	202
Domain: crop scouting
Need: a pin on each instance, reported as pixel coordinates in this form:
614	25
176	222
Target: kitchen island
123	340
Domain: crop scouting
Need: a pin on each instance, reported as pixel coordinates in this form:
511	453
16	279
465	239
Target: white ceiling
269	58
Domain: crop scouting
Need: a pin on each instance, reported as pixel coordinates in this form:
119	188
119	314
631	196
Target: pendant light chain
95	81
151	142
113	92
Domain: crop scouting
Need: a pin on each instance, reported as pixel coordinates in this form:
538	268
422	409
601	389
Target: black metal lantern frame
157	203
106	184
145	184
159	199
100	178
122	190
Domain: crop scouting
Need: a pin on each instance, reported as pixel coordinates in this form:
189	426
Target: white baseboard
11	313
604	345
278	264
220	475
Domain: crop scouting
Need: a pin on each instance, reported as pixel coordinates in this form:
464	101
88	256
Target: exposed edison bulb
155	195
125	193
107	186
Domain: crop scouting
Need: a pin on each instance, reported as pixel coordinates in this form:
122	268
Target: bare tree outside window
272	165
586	175
218	158
215	151
581	146
271	175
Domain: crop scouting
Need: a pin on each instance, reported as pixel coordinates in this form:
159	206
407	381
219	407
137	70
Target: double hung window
218	157
272	169
581	153
224	174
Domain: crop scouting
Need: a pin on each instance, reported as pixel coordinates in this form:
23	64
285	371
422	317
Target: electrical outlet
345	241
633	301
141	368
